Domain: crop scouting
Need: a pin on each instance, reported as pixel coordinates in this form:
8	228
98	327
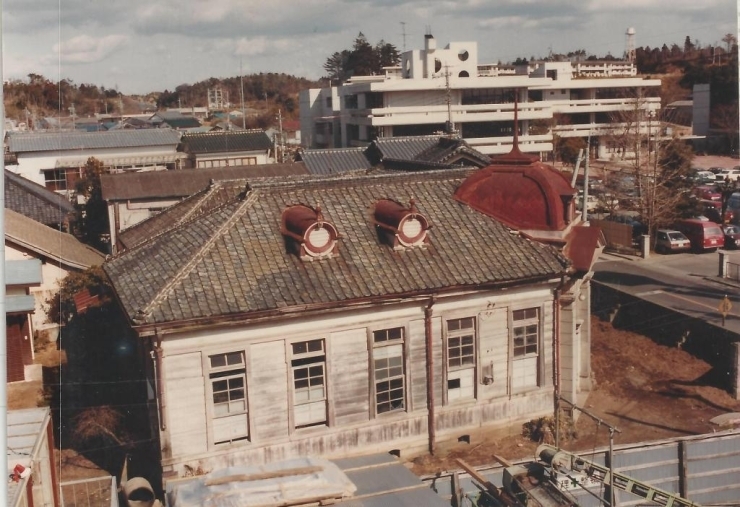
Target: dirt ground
648	391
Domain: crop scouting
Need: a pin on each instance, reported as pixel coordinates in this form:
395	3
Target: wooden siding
493	331
567	352
349	383
185	402
417	374
267	388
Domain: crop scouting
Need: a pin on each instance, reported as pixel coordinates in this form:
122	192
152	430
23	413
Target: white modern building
434	90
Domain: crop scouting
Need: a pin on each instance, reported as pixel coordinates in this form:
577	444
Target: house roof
335	161
34	201
182	183
425	152
233	262
216	194
184	122
226	141
58	246
66	141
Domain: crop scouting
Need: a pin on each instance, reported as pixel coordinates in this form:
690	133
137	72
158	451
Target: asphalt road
687	283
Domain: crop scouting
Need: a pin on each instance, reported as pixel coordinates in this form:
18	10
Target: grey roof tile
238	248
226	141
36	202
65	141
334	161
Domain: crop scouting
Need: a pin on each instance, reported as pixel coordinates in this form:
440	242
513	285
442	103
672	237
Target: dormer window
307	233
400	226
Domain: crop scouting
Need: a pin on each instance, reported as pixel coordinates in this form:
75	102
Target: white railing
96	492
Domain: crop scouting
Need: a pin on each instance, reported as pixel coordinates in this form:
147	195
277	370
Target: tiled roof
34	201
226	141
404	148
217	194
61	141
58	246
334	161
233	261
185	182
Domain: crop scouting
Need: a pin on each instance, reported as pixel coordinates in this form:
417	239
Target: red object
20	472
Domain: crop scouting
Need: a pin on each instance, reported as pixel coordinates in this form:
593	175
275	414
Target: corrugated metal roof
65	141
49	243
234	260
226	141
335	161
23	272
185	182
26	428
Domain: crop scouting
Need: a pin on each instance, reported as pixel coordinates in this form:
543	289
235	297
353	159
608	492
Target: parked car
667	240
703	234
731	174
732	236
713	211
705	175
707	192
715	170
592	203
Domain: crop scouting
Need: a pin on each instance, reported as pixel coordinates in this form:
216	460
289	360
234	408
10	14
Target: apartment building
447	90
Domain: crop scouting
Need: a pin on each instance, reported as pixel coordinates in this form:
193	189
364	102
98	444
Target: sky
140	46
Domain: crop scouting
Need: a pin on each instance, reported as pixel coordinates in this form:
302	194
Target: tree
61	305
362	60
92	214
730	40
569	147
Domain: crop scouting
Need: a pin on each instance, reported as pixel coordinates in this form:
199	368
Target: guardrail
96	492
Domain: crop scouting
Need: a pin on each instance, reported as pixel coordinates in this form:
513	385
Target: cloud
88	49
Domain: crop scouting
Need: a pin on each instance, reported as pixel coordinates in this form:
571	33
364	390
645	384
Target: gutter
429	335
156	355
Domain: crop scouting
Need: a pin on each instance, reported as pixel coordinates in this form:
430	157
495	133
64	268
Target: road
687	283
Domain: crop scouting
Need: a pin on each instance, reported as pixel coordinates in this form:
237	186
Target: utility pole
280	134
448	98
241	91
403	33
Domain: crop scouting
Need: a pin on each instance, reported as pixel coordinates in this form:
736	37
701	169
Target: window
525	347
309	383
390	391
61	179
461	358
228	382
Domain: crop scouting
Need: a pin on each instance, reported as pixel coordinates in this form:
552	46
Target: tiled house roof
217	194
36	202
424	152
335	161
59	246
233	262
185	182
226	141
65	141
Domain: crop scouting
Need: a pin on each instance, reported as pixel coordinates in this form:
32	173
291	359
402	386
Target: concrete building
435	90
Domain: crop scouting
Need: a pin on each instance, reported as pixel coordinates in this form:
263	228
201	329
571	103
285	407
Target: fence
704	469
97	492
733	271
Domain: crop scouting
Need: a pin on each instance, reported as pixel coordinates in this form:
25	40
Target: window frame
290	356
372	347
538	356
447	335
208	372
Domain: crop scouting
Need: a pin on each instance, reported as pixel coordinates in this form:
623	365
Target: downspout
429	335
556	360
156	355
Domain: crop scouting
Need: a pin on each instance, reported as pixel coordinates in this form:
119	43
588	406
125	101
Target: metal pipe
429	335
157	356
556	364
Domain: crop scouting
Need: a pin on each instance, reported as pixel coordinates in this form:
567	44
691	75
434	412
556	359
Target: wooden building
350	314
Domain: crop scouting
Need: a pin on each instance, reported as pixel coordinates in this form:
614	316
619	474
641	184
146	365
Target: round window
437	65
411	228
463	55
463	73
318	238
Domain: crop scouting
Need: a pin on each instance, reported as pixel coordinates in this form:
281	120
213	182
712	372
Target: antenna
241	89
403	33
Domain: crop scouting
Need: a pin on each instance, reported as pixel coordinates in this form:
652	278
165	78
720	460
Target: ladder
565	462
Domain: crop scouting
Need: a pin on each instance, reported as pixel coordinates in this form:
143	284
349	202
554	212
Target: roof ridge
195	259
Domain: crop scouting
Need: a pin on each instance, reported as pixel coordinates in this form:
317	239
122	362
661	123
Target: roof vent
399	226
307	234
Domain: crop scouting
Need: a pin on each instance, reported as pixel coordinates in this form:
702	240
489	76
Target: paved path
687	283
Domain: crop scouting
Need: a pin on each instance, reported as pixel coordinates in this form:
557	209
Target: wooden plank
288	472
417	365
494	346
183	365
186	415
268	391
350	381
